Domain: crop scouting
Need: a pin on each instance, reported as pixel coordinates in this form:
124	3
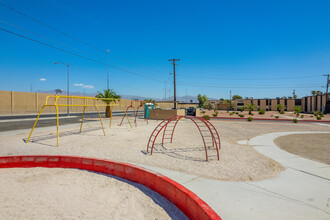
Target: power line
63	33
69	52
54	47
248	79
24	29
249	87
48	26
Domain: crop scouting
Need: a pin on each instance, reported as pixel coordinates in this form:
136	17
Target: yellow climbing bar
88	102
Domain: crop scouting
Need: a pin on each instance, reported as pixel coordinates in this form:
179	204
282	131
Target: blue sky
253	48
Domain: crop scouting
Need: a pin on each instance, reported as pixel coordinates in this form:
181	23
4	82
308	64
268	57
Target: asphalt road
8	123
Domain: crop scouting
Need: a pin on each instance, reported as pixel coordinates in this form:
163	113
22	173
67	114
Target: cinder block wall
273	104
262	104
165	113
27	103
290	105
255	103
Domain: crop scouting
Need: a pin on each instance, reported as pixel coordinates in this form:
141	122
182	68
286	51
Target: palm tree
250	107
280	107
313	93
108	94
297	109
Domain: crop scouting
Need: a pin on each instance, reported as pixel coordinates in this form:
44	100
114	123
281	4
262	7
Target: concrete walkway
302	191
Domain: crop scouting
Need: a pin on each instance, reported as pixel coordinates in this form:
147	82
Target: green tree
235	97
201	100
107	94
280	107
250	107
207	105
297	109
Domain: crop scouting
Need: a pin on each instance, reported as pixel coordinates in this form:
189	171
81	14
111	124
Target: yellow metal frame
113	102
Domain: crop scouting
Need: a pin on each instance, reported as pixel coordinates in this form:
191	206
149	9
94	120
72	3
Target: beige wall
28	103
319	107
246	102
235	105
223	106
309	99
255	103
165	113
263	104
290	105
273	104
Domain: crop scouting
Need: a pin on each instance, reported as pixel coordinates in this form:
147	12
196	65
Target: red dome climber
208	132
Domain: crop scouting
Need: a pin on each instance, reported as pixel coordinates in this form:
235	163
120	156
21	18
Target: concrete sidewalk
302	191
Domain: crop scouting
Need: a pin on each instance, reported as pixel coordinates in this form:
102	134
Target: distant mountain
188	98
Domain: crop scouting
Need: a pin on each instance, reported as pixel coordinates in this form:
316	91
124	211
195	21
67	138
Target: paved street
8	123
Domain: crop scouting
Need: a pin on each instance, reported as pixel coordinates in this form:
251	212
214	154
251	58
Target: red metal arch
131	106
205	128
137	111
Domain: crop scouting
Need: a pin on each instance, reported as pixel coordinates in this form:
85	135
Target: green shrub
295	120
301	116
206	117
236	113
241	108
261	112
203	111
318	117
282	112
231	113
315	113
251	114
276	116
241	115
321	114
215	114
249	118
311	116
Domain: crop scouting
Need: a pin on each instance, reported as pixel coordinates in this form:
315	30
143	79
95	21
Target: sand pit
311	146
185	154
43	193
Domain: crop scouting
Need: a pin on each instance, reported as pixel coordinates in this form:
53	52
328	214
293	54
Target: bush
249	118
252	114
321	114
206	117
203	111
315	113
282	112
295	120
241	115
241	108
301	116
318	117
261	112
277	116
215	114
311	116
236	113
231	113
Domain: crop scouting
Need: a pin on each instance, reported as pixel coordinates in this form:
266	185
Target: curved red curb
189	203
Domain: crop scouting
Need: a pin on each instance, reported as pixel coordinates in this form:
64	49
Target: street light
108	69
68	87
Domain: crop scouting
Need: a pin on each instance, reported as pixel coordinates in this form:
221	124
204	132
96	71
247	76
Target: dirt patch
41	193
311	146
186	154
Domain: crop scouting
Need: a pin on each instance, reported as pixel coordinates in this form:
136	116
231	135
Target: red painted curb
188	202
270	119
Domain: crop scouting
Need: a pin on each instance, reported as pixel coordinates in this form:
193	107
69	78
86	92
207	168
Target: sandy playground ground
186	153
43	193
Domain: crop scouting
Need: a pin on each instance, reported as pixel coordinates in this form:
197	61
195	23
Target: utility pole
230	100
108	69
326	94
173	62
165	90
294	94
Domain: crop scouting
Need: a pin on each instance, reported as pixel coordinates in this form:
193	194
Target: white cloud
43	79
84	86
